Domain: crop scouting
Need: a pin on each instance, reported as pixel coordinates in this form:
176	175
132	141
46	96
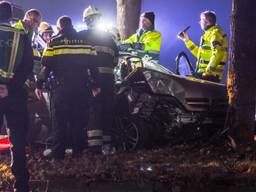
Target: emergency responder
101	109
146	41
30	22
69	57
212	53
15	66
45	32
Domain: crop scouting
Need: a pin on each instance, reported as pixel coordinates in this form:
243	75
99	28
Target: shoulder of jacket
12	29
217	30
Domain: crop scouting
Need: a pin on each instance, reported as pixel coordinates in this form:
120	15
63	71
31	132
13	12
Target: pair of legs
68	114
15	111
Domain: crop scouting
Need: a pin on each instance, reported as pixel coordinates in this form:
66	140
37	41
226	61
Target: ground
184	167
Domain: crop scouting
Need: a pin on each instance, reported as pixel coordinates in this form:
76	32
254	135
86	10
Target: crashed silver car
155	105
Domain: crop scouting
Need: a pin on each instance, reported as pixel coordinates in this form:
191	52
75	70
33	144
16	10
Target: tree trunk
241	82
128	14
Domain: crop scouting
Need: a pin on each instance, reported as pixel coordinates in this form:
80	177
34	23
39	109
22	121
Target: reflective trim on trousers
95	142
94	133
106	70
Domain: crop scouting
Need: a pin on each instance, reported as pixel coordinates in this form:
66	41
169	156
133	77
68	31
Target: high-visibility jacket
212	52
151	40
37	54
15	57
20	25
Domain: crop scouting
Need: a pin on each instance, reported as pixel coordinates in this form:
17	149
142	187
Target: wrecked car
155	105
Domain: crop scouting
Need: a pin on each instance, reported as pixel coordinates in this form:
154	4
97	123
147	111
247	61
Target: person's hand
38	93
96	92
183	36
3	91
207	72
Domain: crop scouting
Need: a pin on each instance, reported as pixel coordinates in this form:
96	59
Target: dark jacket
107	51
70	58
15	58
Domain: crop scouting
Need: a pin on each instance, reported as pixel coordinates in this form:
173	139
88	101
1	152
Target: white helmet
45	27
90	10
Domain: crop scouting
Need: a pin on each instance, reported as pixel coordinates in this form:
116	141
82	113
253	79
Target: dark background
171	17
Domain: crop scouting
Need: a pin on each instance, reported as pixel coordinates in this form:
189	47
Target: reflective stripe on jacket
11	44
69	58
212	53
152	42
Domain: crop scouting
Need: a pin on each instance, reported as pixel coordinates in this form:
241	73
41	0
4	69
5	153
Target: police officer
69	58
15	66
211	54
101	113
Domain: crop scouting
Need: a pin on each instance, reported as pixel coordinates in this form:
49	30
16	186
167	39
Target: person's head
46	31
91	17
147	20
207	20
5	11
32	19
64	22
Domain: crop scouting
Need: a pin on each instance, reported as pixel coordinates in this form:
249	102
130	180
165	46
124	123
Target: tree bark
128	14
241	82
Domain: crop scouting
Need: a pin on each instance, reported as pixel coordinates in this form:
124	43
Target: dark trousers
15	111
101	114
68	118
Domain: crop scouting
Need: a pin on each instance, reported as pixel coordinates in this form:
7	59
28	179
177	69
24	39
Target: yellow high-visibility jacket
151	39
212	52
20	25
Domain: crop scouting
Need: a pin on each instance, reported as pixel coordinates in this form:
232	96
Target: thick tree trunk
128	14
242	71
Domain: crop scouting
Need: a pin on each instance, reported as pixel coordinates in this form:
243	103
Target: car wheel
130	133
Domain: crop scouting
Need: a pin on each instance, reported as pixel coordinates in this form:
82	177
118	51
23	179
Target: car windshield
151	64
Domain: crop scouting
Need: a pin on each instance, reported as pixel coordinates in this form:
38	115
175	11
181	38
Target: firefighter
212	53
70	58
101	110
146	41
45	32
15	66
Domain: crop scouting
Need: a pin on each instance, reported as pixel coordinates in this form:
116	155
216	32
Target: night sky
171	17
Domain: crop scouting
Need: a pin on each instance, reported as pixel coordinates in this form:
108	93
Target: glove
207	72
138	46
124	47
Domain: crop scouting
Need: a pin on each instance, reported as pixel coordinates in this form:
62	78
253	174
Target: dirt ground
178	168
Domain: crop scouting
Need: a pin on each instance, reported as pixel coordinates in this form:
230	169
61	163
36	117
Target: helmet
44	28
90	10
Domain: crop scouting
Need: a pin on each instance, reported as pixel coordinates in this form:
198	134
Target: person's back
15	66
106	50
69	50
70	58
101	107
12	56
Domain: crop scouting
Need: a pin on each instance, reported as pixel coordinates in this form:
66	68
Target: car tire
130	133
